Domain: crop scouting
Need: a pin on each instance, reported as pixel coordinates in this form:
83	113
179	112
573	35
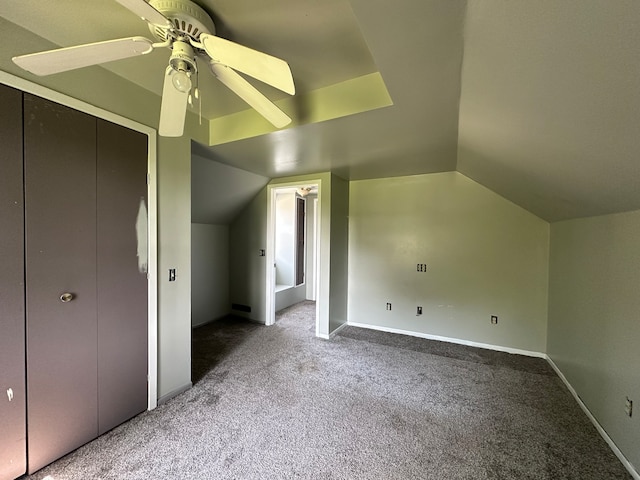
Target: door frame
270	304
152	190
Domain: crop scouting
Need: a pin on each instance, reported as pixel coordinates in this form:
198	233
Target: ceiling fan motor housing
188	20
182	58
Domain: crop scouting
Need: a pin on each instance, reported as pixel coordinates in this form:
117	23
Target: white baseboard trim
207	322
174	393
324	336
630	468
458	341
628	465
337	330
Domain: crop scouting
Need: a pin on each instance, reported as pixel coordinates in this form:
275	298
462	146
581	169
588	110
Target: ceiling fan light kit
189	32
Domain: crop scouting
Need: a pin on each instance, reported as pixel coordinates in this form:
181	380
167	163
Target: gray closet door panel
122	279
12	327
60	193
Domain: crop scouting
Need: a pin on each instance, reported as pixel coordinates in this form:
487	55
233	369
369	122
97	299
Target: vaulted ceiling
537	100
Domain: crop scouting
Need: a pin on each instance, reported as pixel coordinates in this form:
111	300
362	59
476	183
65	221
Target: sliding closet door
122	279
12	384
60	205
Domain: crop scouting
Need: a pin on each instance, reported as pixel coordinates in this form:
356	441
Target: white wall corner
337	330
174	393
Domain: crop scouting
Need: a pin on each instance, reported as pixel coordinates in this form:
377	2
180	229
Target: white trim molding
335	332
270	280
630	468
332	334
458	341
174	393
628	465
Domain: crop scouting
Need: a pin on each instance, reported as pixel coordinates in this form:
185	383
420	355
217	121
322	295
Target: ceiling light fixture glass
183	62
304	191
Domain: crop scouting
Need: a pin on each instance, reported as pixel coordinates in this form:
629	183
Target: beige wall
285	238
484	255
174	251
247	236
339	252
594	318
209	273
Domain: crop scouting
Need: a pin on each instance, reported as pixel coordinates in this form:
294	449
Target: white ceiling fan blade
146	12
249	94
70	58
173	109
270	70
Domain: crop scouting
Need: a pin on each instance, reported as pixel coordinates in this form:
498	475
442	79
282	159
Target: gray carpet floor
278	403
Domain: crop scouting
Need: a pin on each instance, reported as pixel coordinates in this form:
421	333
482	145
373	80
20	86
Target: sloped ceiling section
417	47
537	100
550	104
220	192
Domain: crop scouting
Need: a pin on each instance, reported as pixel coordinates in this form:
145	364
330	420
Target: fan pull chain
196	93
199	98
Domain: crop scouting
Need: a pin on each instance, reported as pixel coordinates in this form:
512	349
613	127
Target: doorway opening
292	247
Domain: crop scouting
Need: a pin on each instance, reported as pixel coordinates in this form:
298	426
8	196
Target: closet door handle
66	297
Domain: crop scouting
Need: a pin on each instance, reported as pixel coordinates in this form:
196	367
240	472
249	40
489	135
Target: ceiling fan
189	32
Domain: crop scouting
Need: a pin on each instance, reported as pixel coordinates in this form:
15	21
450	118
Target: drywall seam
458	341
630	468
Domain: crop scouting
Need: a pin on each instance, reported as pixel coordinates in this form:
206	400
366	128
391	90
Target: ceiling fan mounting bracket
188	20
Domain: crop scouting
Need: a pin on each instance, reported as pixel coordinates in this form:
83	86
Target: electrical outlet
418	311
628	407
388	306
494	319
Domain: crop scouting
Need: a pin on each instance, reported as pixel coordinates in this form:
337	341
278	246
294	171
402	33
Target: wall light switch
172	274
494	319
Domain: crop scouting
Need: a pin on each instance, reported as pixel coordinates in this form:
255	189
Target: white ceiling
538	100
